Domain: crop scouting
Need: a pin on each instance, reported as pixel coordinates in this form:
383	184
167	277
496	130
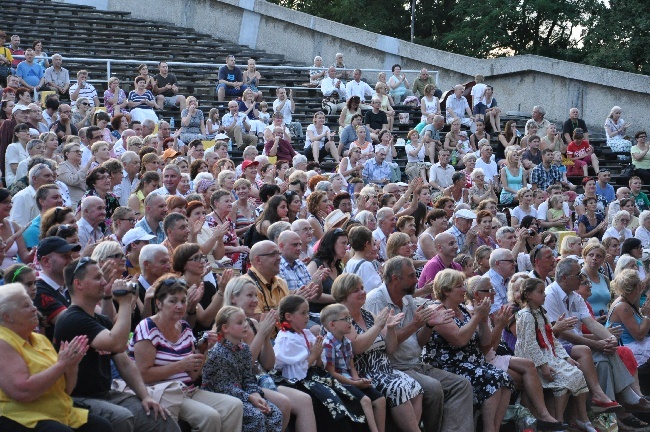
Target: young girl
212	125
228	370
556	212
558	161
265	117
298	359
557	371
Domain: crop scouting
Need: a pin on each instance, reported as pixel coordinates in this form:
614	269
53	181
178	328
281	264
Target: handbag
605	422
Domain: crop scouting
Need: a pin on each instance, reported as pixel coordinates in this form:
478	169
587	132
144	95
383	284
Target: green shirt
642	201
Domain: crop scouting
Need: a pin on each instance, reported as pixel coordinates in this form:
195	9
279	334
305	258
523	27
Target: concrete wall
520	82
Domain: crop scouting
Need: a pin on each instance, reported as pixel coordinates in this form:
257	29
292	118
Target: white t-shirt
312	128
542	210
15	153
519	213
420	156
491	171
478	93
286	109
366	272
613	232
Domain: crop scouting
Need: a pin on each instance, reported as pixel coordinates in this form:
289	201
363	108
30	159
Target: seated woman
11	235
150	182
436	222
192	121
142	102
522	370
615	131
99	185
351	108
625	312
275	210
619	227
632	247
331	251
318	207
594	257
480	189
571	247
366	250
163	350
525	208
35	381
590	224
371	345
456	347
484	231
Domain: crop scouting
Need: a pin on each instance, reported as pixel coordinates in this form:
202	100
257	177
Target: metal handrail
196	65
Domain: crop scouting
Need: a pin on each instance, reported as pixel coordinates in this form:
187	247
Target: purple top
432	268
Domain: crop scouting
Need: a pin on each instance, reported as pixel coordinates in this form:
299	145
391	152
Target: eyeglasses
173	281
489	291
116	256
198	258
271	254
84	103
511	261
131	220
82	262
347	319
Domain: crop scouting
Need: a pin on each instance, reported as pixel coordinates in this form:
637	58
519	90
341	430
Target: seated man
24	208
333	92
57	78
349	134
457	107
82	88
376	119
236	126
231	80
377	170
166	88
30	73
279	147
277	121
359	88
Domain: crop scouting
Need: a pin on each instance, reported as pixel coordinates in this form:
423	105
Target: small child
212	124
338	360
559	163
298	359
229	370
264	115
556	212
557	371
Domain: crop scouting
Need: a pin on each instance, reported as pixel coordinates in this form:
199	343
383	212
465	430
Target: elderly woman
72	173
163	349
35	381
457	348
373	339
615	130
525	207
469	160
101	151
619	227
521	370
82	113
643	231
484	233
150	182
366	250
115	99
112	252
480	190
222	204
490	205
625	312
192	121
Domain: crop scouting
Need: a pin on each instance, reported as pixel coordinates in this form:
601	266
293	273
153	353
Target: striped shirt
166	352
88	91
147	96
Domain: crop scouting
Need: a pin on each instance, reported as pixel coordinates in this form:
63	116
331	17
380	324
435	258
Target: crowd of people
151	283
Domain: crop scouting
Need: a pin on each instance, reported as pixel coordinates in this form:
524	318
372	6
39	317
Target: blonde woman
615	130
571	247
252	79
114	98
386	104
192	121
512	178
429	104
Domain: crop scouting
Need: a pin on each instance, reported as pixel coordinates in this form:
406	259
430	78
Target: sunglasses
82	262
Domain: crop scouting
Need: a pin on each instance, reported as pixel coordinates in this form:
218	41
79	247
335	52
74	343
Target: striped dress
166	352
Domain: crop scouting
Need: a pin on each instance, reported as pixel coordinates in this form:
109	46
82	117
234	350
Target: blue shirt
31	74
607	192
296	276
374	172
160	234
33	232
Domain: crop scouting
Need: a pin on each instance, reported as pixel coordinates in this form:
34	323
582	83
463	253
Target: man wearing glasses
422	81
64	127
52	297
502	266
107	340
265	261
613	377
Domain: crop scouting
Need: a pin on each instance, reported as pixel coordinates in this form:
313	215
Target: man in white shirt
24	208
386	222
236	126
457	107
359	88
171	179
285	105
333	92
487	164
82	88
93	213
440	173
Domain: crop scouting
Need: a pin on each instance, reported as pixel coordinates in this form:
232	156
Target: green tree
619	38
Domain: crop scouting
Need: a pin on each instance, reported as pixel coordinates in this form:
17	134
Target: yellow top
55	404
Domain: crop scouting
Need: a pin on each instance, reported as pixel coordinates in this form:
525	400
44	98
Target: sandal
633	421
586	426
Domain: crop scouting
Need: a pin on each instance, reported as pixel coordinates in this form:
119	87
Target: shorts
479	108
231	91
170	101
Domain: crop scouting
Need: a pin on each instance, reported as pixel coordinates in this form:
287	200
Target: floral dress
110	108
535	340
193	130
617	143
374	364
229	370
467	361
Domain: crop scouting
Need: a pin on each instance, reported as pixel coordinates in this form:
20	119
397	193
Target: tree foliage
586	31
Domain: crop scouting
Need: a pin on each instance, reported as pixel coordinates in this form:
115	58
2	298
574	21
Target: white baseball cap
465	214
135	234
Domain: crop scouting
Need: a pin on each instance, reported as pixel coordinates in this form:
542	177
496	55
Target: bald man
265	261
292	269
446	248
93	213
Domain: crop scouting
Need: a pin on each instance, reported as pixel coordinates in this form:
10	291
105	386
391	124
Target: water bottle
229	145
172	123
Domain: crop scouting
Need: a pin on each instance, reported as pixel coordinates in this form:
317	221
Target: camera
131	288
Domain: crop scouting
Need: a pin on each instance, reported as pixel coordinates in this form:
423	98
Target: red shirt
577	150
